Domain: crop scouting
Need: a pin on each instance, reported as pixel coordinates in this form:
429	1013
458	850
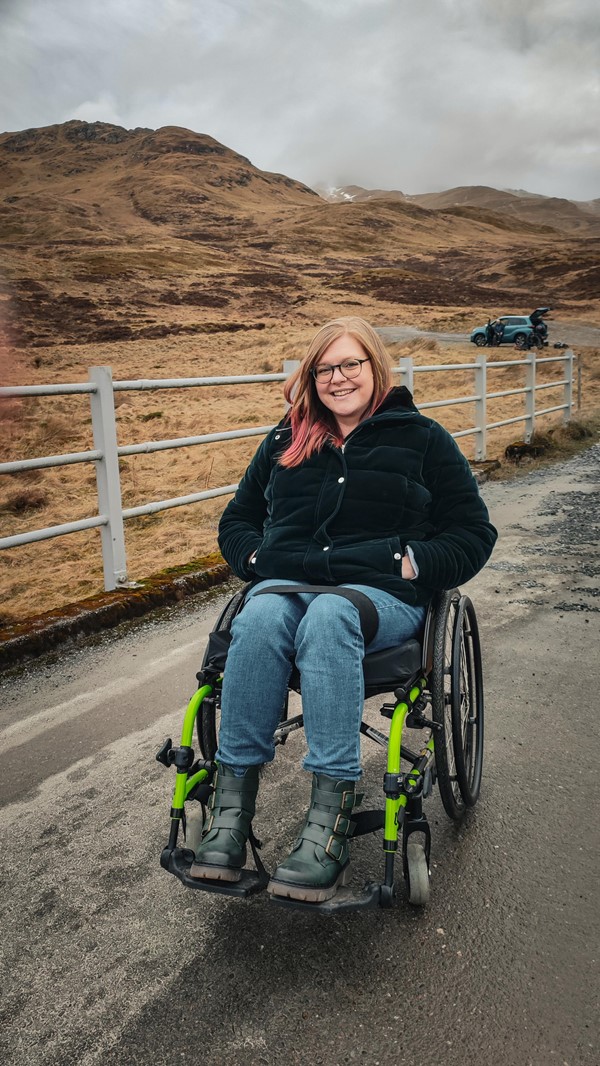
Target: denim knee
270	621
328	619
253	619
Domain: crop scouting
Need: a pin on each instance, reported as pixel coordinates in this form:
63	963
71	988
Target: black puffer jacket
346	515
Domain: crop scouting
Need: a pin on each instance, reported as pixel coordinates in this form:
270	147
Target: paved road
109	961
572	333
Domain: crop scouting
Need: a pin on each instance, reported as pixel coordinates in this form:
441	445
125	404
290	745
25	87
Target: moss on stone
40	633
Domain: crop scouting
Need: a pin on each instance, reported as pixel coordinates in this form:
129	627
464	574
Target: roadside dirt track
111	962
578	334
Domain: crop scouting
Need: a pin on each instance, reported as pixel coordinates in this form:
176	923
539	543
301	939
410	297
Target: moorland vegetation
166	254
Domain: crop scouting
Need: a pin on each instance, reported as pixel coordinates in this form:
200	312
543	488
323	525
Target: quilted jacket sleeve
463	537
241	525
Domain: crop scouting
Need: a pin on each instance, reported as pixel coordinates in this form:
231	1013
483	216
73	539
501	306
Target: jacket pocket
257	555
350	562
397	550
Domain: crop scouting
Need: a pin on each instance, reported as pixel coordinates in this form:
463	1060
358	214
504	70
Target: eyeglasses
350	368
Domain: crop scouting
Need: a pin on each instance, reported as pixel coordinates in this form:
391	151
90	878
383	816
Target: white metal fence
107	452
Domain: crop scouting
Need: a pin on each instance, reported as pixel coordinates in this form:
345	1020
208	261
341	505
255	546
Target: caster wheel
417	879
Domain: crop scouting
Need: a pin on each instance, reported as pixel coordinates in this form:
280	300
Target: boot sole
214	873
305	893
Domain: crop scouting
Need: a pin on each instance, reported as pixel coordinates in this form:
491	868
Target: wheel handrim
448	729
467	706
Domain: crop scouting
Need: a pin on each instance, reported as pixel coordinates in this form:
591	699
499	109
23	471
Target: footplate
180	860
373	895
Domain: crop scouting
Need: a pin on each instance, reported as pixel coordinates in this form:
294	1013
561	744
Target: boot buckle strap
334	848
348	800
226	819
342	825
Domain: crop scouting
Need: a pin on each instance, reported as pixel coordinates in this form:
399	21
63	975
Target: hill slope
165	254
511	206
110	234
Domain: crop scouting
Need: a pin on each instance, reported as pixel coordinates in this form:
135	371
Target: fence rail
106	453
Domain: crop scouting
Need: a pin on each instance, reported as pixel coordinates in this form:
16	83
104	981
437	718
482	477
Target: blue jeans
323	634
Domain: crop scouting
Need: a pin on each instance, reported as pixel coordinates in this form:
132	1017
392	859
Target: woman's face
347	397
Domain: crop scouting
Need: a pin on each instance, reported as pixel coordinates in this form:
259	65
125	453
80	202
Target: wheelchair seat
383	670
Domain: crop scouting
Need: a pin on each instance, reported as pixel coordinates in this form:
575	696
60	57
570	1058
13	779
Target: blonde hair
312	422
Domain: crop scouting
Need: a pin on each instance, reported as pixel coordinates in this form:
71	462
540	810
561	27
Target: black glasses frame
337	366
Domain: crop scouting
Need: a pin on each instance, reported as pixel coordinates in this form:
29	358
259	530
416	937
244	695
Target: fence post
481	407
407	376
289	366
107	477
568	411
529	395
578	382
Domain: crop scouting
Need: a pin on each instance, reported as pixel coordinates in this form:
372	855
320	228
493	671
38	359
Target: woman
354	488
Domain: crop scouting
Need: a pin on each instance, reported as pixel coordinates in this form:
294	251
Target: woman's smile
340	393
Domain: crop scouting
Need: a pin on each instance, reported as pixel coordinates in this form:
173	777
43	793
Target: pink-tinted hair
312	423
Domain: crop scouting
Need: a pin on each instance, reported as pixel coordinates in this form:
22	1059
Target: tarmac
111	962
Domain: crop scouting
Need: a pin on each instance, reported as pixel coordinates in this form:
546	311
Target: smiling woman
346	388
345	391
353	490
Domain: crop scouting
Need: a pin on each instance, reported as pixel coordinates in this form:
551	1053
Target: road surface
577	334
109	961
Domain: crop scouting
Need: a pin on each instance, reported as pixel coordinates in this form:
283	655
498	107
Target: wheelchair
437	686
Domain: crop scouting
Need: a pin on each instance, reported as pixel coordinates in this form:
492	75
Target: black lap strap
368	822
367	611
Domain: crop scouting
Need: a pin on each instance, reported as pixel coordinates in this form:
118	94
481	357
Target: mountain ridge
110	234
561	213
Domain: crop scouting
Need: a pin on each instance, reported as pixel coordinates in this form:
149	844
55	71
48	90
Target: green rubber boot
318	864
222	853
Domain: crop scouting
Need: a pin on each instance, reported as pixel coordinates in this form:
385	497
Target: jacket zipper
351	434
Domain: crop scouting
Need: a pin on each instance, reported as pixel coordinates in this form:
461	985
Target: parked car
517	328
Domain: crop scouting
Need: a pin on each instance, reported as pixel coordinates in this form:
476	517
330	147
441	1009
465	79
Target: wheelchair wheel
457	703
417	874
231	608
207	725
441	704
209	714
207	721
467	702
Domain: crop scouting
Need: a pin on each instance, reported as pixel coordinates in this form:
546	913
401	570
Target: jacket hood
397	398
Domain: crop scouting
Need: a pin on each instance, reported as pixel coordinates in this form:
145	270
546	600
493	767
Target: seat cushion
385	669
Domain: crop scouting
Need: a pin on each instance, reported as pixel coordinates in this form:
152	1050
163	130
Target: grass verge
544	449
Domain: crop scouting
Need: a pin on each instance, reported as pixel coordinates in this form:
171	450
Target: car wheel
520	340
479	340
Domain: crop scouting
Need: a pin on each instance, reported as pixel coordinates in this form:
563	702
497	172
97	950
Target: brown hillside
165	254
504	209
557	214
110	234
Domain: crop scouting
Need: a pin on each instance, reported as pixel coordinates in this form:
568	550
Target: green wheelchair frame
438	687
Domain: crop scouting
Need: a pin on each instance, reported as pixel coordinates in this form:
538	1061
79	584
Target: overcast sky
417	95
